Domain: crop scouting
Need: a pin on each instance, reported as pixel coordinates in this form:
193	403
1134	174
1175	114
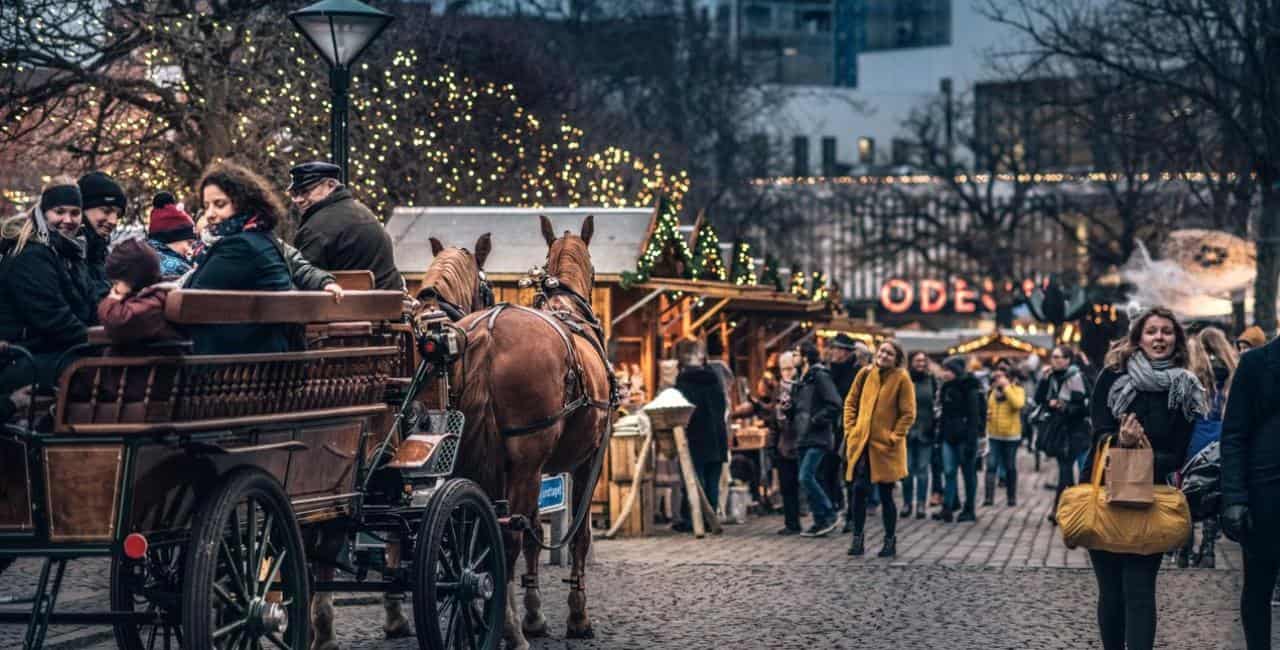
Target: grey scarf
1186	395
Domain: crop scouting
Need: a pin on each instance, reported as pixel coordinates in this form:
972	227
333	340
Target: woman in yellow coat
878	411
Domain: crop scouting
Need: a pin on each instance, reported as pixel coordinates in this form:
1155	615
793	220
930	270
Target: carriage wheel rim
251	605
467	562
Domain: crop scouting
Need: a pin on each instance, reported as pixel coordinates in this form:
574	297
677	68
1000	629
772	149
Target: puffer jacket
46	295
1004	416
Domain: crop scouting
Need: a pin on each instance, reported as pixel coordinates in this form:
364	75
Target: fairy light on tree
799	282
707	264
742	270
819	287
666	253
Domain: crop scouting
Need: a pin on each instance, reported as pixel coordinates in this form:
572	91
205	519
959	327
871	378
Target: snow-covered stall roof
517	239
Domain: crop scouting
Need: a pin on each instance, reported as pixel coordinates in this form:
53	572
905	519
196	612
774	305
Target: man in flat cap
337	232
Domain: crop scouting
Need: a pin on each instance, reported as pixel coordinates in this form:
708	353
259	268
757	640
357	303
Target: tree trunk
1267	236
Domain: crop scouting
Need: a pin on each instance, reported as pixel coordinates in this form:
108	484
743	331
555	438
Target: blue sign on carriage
552	497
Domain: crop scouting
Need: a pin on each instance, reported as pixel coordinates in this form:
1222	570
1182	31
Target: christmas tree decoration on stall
799	282
769	276
707	264
819	287
742	269
666	252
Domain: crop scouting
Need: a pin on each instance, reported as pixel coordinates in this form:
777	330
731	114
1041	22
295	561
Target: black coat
1168	429
340	234
843	375
247	261
1066	434
922	430
46	302
815	407
707	431
960	419
1251	428
95	257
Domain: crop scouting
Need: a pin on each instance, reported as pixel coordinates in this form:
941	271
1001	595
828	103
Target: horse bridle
481	299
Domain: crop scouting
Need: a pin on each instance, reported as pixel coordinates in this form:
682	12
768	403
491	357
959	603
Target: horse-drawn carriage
225	489
213	482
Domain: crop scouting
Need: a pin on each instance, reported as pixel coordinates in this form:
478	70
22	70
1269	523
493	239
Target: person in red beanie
172	233
134	309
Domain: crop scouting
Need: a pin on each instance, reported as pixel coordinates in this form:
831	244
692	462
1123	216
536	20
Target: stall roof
945	341
754	299
517	239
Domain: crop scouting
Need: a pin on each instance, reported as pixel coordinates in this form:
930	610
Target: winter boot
857	546
1206	559
905	512
990	494
890	548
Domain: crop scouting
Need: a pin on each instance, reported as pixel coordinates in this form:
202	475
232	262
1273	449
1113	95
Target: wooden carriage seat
131	394
354	280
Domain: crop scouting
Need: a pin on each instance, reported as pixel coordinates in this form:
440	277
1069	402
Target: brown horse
453	284
537	397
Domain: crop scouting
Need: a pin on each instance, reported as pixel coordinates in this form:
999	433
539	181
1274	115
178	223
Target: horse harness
566	324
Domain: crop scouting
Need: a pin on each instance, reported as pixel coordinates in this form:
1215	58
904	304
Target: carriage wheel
153	585
460	571
246	583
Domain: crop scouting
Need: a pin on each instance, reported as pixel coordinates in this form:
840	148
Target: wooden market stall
997	345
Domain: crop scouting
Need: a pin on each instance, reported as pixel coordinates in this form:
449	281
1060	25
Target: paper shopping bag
1131	477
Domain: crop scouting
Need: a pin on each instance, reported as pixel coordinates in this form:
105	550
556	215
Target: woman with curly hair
1146	395
240	254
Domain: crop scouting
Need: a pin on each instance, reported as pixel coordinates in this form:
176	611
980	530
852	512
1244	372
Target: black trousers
789	482
1127	599
935	469
862	491
832	480
1066	479
1261	566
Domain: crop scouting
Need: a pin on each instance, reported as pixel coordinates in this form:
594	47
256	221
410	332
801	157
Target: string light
666	249
743	269
707	264
820	287
798	285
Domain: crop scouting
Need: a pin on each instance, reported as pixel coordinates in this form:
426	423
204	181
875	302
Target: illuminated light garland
1007	341
819	288
1045	177
798	282
743	267
665	245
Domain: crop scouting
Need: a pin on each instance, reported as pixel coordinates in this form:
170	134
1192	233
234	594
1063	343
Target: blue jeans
917	482
960	457
819	504
1002	460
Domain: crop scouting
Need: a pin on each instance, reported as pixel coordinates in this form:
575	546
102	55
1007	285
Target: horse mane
454	276
570	261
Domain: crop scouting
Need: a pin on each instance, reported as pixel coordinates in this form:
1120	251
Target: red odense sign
931	296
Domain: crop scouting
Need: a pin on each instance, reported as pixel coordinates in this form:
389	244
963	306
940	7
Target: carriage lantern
340	30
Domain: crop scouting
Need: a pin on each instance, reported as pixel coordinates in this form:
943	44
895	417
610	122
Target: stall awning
742	299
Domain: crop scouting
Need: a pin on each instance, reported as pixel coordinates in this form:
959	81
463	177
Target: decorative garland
743	269
707	264
665	246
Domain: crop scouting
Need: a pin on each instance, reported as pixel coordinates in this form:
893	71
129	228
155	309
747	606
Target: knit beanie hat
955	364
168	223
1254	336
57	195
134	261
99	190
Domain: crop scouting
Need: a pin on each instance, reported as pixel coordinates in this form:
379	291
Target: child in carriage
134	309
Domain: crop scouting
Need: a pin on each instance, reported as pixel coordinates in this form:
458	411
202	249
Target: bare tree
1222	56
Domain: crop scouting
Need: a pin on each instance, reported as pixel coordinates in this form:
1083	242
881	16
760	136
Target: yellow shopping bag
1088	520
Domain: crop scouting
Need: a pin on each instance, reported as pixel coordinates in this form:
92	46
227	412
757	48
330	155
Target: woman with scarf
46	294
1063	408
878	412
1145	395
240	254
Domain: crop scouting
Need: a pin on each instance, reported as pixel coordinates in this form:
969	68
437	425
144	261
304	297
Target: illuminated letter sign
964	297
897	295
933	296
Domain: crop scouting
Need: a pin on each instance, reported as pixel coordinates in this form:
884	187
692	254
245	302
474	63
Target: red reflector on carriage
429	347
135	546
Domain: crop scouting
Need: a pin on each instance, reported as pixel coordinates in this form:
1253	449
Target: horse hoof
584	633
398	632
535	629
327	645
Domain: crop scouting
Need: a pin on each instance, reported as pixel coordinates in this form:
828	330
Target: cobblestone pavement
1004	582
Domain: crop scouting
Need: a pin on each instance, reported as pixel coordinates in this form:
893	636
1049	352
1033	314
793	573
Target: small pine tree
769	276
742	270
707	264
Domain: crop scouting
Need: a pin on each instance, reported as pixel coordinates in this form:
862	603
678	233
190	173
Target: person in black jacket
844	368
1144	395
104	203
815	406
1251	483
1064	428
920	438
959	425
46	302
241	255
707	431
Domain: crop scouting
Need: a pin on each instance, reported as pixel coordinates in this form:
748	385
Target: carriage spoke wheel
152	585
460	571
246	582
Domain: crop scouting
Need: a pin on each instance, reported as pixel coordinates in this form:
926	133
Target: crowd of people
848	426
61	272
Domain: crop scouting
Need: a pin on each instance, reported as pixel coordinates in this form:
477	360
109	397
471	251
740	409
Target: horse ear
588	229
483	246
548	233
436	246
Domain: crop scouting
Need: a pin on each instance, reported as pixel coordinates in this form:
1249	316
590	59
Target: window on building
901	24
867	151
800	156
759	152
829	157
788	41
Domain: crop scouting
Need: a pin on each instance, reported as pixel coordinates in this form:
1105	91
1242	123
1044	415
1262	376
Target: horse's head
568	260
455	282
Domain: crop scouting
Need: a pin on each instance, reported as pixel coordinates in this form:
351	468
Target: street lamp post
340	30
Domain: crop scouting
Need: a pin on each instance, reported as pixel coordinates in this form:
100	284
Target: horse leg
522	494
396	624
534	624
579	626
322	613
